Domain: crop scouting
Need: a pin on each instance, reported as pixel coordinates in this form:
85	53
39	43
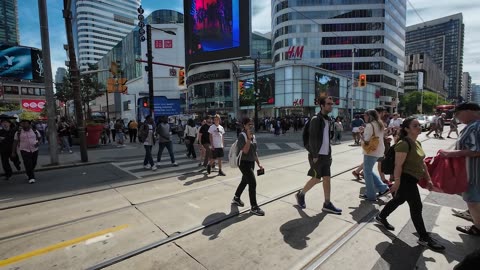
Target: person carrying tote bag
373	149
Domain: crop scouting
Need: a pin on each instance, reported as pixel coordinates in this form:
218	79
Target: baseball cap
467	106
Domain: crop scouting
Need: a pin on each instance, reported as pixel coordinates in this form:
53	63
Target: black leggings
408	192
248	178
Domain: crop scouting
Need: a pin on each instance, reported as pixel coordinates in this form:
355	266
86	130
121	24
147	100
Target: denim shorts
472	195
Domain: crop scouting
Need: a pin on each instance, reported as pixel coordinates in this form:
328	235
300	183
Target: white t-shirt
149	139
326	139
395	123
367	135
217	135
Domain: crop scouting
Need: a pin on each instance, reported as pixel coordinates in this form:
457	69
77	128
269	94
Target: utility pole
47	67
255	92
150	70
75	77
353	82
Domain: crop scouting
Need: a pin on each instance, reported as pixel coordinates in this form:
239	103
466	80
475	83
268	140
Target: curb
64	166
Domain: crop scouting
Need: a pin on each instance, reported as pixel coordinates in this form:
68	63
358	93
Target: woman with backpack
248	145
373	149
190	135
409	168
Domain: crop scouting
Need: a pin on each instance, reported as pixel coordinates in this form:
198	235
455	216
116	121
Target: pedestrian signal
362	81
181	77
145	103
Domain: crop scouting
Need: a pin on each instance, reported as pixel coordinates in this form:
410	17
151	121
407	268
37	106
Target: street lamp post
354	50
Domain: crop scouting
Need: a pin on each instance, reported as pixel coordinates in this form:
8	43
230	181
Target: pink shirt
28	139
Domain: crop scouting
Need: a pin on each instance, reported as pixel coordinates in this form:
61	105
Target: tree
411	100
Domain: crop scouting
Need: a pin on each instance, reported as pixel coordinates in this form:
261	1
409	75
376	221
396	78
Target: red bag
449	175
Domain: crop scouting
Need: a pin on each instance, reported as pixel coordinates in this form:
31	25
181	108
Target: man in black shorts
320	156
205	141
217	142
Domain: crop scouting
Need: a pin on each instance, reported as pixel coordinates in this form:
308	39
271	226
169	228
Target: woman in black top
248	144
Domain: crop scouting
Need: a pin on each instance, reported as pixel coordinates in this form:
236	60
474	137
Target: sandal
357	175
462	214
472	230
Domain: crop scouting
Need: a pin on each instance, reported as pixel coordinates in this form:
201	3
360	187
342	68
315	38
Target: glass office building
100	25
442	39
329	30
9	22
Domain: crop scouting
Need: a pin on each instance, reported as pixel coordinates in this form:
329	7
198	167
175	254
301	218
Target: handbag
372	144
448	174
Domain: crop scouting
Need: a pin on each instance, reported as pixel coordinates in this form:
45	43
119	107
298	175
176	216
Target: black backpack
388	163
306	133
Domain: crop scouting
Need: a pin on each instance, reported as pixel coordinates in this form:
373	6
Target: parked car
430	119
423	120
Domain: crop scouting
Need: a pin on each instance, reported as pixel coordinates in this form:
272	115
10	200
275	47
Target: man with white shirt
216	132
395	124
320	156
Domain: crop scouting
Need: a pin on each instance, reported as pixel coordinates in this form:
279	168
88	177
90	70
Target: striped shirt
470	140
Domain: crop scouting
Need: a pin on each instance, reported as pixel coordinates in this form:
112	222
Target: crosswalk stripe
272	146
294	145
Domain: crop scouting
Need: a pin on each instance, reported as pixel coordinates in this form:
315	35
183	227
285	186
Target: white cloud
261	16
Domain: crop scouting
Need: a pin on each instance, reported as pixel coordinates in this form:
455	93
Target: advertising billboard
33	105
163	106
326	85
266	87
19	62
216	30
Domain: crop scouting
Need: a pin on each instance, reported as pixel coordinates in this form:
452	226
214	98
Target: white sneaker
154	168
174	164
31	181
147	167
158	164
70	151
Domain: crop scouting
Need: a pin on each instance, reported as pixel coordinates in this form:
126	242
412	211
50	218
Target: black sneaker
300	199
381	194
17	166
237	201
221	173
209	169
329	207
384	222
364	197
257	211
431	243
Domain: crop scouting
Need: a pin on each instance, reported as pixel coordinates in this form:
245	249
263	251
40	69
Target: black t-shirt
205	135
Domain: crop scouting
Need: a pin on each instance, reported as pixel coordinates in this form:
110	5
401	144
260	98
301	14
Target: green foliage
29	115
89	87
412	99
7	107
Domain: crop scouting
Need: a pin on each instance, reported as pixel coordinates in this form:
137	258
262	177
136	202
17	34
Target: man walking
205	141
27	140
216	132
64	134
7	136
165	140
320	156
147	136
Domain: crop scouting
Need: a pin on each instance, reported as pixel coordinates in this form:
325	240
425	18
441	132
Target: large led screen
266	87
326	85
18	62
216	30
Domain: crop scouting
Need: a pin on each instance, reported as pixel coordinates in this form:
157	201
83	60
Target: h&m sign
295	52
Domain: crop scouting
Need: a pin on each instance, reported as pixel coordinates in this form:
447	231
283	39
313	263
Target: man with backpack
7	136
27	140
317	143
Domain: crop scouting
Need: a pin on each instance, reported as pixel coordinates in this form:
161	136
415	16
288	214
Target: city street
118	216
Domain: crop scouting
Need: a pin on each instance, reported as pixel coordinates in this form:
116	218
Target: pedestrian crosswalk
188	165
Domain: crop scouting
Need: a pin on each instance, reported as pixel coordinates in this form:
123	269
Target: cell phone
260	172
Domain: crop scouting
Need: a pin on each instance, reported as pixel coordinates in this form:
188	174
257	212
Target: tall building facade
476	93
9	22
443	40
466	92
332	31
421	72
99	25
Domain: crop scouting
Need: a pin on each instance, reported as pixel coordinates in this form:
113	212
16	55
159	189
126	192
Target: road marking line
194	205
7	199
60	245
99	239
294	146
272	146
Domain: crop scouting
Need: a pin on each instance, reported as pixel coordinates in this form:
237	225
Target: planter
93	135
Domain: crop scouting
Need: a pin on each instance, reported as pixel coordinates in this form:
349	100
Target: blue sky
30	29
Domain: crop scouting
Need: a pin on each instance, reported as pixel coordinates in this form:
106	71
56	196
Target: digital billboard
266	87
19	62
326	85
216	30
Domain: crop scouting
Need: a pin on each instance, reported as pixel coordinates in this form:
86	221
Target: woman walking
190	135
373	134
148	137
409	168
248	145
338	130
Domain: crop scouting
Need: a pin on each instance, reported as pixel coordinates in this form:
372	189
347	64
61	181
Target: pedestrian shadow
398	255
219	221
295	232
364	209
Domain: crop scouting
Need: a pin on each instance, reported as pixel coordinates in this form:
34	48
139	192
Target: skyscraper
476	93
330	30
466	92
442	39
9	22
100	25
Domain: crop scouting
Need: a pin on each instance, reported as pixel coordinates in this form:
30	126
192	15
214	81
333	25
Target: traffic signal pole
150	70
255	85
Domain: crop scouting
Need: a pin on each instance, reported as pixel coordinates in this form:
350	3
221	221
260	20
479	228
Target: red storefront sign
33	105
161	44
298	102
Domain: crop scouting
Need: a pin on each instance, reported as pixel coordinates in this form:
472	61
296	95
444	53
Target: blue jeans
372	181
65	143
148	155
162	146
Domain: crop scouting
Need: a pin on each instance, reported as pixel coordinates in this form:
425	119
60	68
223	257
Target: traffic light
181	77
316	101
145	103
336	101
362	81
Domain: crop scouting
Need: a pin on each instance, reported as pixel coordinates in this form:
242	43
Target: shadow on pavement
295	232
214	231
398	255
